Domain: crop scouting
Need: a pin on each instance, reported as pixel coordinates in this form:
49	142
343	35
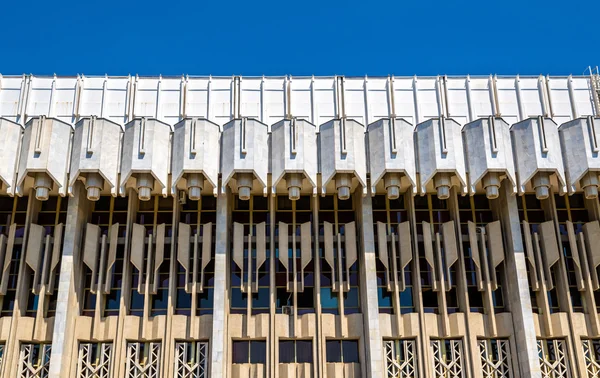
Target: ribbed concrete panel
96	149
10	143
294	151
245	149
196	150
391	150
440	151
579	141
488	149
536	146
342	144
46	149
146	149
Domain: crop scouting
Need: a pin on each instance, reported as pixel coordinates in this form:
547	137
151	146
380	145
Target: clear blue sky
299	38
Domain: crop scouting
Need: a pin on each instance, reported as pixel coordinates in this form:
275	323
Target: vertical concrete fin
206	244
495	249
56	250
3	256
113	235
138	247
8	258
382	247
404	250
575	255
549	245
306	249
261	251
475	256
527	240
450	249
238	250
591	230
328	244
428	243
206	250
90	251
284	245
183	252
35	243
351	255
159	254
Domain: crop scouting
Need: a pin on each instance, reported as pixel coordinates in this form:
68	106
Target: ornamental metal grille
591	353
495	358
34	360
447	358
143	360
400	358
94	360
553	358
191	359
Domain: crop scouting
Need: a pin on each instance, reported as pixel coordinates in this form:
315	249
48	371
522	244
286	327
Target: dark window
258	352
345	351
249	351
240	352
295	351
350	351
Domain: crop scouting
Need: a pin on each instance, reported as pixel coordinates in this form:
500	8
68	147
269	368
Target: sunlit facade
305	227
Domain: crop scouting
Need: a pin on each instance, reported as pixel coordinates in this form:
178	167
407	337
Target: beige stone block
4	327
307	325
537	319
235	324
411	324
457	324
386	325
432	325
477	323
132	329
504	323
560	324
287	370
329	325
581	325
355	325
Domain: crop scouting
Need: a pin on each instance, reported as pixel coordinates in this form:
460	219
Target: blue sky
299	38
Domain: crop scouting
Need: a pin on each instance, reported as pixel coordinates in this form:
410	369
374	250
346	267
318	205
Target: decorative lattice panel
94	360
447	358
34	360
553	358
191	359
400	358
495	358
143	360
591	353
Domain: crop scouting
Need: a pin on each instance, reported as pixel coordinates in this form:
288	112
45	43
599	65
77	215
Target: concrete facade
299	227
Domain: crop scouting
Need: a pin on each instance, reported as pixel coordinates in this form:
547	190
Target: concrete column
518	285
218	342
67	307
374	362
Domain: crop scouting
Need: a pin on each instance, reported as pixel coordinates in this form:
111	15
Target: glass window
345	351
295	351
240	352
287	353
258	352
350	351
249	351
333	350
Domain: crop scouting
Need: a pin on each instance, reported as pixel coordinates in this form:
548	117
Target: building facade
306	227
